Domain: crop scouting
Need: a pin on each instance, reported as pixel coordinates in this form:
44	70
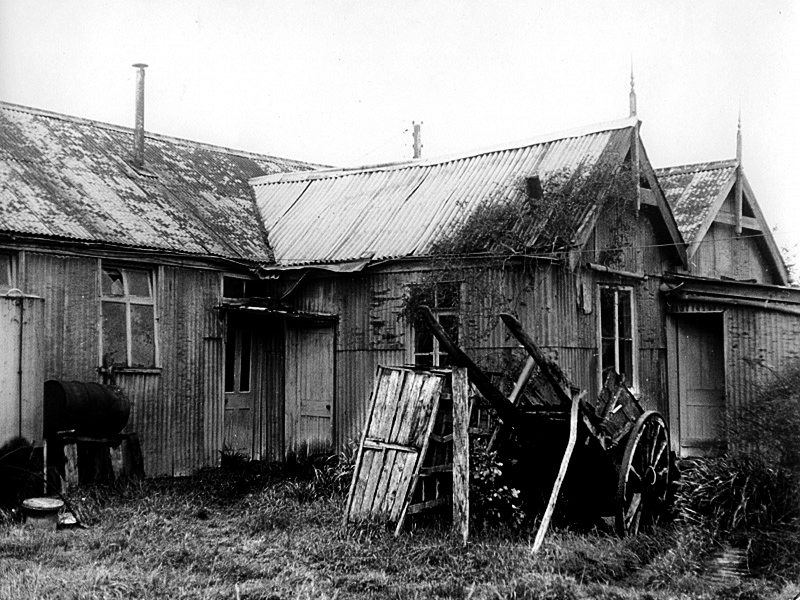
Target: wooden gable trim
663	205
655	197
774	253
712	214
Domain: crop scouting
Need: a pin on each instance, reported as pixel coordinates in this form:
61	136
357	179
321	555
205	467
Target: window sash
140	343
615	331
445	300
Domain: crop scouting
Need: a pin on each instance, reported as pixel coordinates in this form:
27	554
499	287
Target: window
443	299
128	317
6	271
238	350
617	349
238	287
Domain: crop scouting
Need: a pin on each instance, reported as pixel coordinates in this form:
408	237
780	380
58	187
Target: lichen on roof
68	178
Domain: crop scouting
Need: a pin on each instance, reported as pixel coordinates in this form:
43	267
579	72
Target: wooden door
309	389
701	384
239	386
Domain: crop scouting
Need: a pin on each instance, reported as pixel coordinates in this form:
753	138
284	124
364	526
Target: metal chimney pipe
138	132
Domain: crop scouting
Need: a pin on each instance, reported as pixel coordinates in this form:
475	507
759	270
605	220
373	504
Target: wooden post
461	453
562	472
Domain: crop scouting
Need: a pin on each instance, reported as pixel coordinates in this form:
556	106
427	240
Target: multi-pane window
443	299
616	331
238	352
128	317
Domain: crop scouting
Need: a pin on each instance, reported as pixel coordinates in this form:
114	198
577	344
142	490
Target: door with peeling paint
240	393
701	384
309	388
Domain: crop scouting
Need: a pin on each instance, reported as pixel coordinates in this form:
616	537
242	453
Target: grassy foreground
253	532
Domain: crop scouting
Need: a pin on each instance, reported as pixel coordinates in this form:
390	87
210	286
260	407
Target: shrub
492	500
751	496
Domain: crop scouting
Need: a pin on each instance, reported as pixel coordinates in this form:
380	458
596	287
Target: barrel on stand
84	420
85	408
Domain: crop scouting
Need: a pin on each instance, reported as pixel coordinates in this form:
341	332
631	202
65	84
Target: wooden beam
461	453
505	410
562	472
745	222
515	327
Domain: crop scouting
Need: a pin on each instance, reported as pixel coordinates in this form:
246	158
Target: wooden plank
357	484
71	465
378	444
461	414
515	327
387	484
425	389
562	472
431	414
427	505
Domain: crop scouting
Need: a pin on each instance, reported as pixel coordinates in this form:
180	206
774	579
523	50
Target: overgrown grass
751	497
269	534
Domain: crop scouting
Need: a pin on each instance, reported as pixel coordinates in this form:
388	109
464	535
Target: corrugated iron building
129	260
354	243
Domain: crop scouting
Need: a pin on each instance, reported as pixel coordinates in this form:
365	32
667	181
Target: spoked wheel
643	475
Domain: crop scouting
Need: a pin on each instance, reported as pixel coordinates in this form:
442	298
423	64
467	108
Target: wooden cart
618	454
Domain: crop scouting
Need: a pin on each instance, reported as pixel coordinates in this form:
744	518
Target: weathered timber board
402	407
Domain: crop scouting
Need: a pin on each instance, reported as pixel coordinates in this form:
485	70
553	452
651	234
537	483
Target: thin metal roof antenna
417	139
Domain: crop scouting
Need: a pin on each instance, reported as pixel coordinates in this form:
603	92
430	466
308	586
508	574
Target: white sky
339	82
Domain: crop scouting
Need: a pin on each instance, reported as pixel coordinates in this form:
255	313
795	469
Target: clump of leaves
732	494
492	500
333	475
514	219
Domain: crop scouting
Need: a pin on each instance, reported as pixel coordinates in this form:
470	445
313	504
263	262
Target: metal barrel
88	408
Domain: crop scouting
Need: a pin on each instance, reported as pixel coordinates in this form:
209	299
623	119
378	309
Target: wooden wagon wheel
643	475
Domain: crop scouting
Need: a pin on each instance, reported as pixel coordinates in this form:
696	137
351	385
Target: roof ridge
435	161
697	167
148	134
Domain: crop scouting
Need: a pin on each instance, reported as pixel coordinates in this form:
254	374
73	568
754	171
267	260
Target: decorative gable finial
633	93
737	194
739	138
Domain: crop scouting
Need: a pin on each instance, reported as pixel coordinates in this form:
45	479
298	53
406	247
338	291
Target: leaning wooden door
309	389
240	393
701	384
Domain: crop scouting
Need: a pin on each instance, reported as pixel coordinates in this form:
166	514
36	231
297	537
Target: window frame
235	330
128	300
633	381
12	270
436	351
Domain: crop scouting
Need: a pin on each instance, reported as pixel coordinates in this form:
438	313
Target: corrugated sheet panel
692	191
402	210
151	417
72	313
70	178
758	344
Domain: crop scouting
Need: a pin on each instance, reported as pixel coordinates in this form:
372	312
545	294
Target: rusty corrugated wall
175	409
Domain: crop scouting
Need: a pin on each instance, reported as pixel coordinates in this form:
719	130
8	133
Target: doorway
239	387
700	383
310	394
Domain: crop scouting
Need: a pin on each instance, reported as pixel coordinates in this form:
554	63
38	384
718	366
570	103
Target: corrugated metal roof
69	178
402	209
693	190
